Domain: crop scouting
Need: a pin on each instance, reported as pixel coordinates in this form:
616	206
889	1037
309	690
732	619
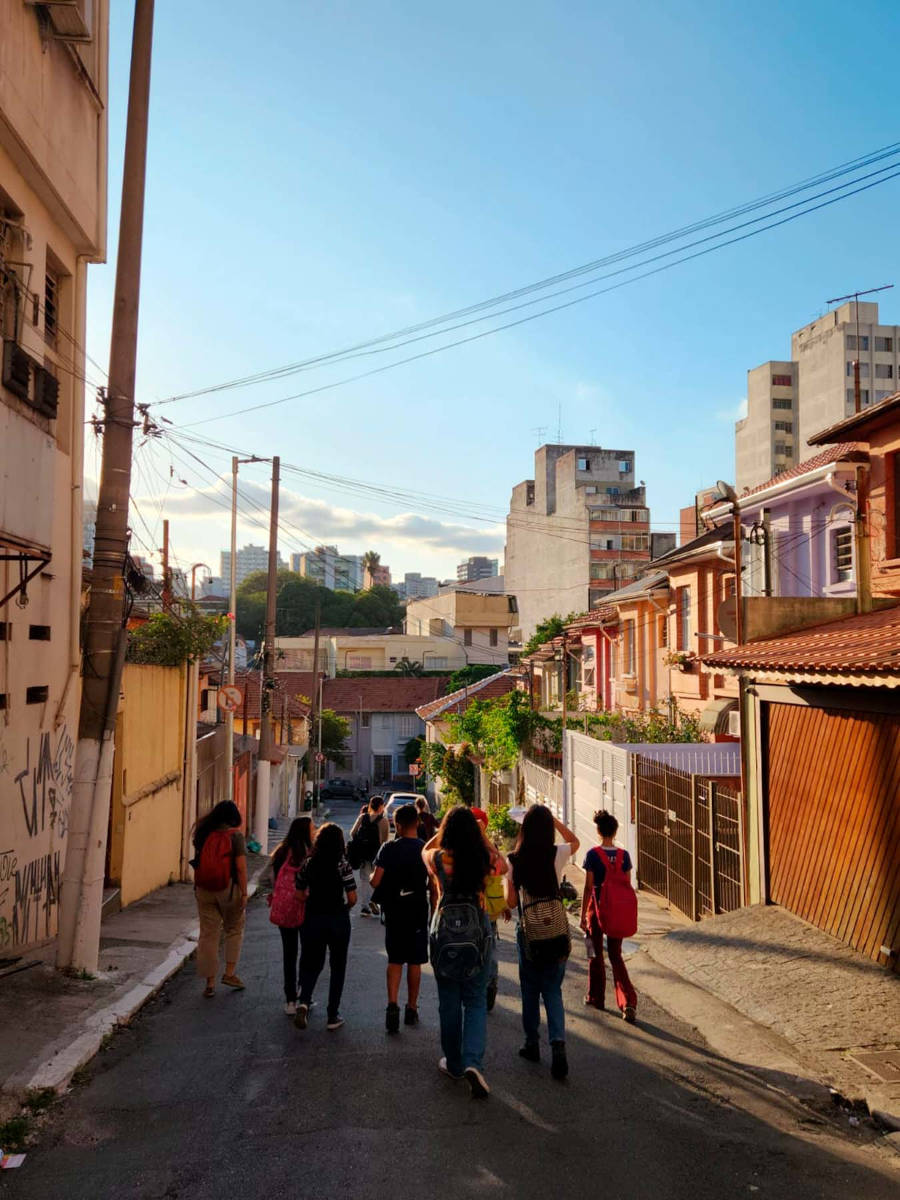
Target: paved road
205	1100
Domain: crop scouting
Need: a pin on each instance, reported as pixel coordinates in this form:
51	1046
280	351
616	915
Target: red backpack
616	906
215	869
287	906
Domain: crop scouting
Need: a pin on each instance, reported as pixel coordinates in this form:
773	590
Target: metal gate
690	839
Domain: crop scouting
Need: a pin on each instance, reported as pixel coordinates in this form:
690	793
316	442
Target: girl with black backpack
542	936
286	906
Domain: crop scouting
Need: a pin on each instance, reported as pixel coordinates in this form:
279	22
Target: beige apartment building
473	622
53	86
367	650
787	402
575	532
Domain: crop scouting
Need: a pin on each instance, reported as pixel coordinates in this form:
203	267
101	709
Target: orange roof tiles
866	645
485	689
852	452
372	693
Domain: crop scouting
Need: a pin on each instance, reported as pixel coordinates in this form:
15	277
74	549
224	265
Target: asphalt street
205	1099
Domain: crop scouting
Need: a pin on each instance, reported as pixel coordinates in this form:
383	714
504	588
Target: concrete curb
86	1038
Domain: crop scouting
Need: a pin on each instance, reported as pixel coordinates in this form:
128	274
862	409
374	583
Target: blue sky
321	173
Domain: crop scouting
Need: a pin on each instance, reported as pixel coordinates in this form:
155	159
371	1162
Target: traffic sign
414	769
230	698
320	758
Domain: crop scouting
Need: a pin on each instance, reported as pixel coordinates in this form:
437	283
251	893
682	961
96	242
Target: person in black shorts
401	887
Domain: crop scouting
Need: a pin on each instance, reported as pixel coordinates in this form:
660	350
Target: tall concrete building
787	402
53	172
576	531
325	564
416	586
249	560
477	567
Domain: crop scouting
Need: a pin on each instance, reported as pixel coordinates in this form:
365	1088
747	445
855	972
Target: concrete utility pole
264	765
310	761
81	898
167	574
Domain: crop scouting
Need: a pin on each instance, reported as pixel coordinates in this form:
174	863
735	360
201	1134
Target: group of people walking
439	893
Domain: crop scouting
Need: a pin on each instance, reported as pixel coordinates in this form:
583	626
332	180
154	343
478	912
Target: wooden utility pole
310	760
167	574
81	897
263	770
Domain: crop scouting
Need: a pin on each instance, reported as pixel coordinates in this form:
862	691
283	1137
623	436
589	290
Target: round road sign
230	698
414	769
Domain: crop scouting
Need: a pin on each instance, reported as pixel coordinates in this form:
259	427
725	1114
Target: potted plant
682	659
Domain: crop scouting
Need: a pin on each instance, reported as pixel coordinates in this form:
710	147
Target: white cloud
736	412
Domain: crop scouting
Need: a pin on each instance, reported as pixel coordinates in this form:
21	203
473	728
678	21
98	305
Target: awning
714	718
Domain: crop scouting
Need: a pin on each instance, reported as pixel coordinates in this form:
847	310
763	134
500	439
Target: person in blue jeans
459	859
537	864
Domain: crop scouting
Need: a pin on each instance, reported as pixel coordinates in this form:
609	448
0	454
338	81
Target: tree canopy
295	606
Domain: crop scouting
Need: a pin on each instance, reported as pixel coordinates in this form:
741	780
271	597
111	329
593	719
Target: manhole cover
885	1064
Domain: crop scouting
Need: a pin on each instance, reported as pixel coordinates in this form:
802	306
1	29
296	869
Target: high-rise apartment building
325	564
477	567
249	560
787	402
575	532
416	586
377	576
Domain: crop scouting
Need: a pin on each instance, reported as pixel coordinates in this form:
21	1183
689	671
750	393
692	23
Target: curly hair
460	835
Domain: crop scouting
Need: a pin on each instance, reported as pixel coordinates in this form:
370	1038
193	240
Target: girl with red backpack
287	906
609	907
220	886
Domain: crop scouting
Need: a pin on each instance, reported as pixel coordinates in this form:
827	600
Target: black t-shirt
404	887
328	886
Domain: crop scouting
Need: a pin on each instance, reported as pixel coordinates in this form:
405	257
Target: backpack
363	845
495	896
458	941
214	871
616	906
287	906
544	926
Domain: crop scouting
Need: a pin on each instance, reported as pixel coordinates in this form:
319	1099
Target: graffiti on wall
35	820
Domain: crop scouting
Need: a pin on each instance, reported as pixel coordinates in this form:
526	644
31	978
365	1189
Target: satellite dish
726	616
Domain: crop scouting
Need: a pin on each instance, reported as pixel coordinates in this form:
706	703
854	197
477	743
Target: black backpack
363	845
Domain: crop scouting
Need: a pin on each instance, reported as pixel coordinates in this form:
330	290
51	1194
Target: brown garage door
834	822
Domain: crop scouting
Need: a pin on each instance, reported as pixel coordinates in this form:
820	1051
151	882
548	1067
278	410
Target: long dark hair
327	852
460	834
535	853
226	813
297	843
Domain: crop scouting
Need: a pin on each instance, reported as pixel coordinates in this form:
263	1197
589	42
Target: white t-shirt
563	854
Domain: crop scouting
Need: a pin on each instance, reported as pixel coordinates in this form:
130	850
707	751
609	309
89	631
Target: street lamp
194	577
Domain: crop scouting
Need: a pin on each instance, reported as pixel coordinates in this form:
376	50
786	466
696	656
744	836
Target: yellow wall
145	832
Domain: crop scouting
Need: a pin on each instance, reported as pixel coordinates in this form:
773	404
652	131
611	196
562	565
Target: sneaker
630	1014
559	1068
392	1018
374	910
491	994
301	1016
335	1022
410	1016
445	1070
478	1085
531	1051
365	911
233	981
290	1008
589	1003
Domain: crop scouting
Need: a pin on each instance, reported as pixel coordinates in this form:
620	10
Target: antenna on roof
854	296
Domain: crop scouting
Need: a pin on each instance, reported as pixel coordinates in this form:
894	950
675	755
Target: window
885	344
842	555
36	695
494	637
51	306
784	426
591	490
684	618
884	371
781	449
359	662
863	370
629	647
882	395
635	541
663	632
39	633
365	720
782	381
612	491
435	664
783	404
863	396
624	466
863	341
583	464
603	570
605	514
407	725
467	637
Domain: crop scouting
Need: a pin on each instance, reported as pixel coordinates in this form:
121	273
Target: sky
320	174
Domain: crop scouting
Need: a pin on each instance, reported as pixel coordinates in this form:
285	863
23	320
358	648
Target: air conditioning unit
734	723
16	369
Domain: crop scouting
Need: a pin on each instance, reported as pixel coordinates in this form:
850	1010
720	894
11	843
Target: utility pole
264	766
232	629
81	898
167	574
310	761
854	296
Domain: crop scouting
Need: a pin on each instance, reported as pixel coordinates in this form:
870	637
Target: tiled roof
604	615
290	684
858	421
852	452
485	689
373	693
861	646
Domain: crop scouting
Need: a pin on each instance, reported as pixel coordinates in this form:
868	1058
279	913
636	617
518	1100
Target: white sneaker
290	1008
336	1023
445	1070
477	1083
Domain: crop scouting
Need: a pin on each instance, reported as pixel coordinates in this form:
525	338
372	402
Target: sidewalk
51	1024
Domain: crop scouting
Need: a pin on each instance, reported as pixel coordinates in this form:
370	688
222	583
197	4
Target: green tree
335	731
552	627
408	667
412	751
495	729
468	675
170	639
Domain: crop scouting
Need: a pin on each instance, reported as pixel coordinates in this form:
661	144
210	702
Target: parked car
397	800
339	789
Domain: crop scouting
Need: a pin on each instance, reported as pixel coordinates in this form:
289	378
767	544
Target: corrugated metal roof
866	645
696	758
